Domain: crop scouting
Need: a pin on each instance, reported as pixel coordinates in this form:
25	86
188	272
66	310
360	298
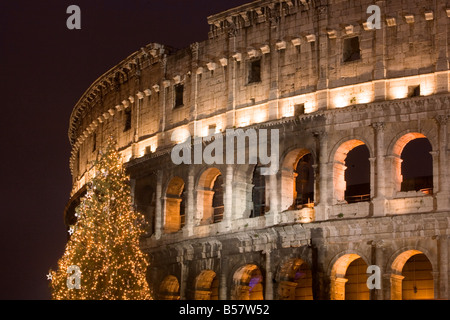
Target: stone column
377	259
159	205
396	286
322	57
228	199
444	285
378	185
443	195
272	216
223	288
441	43
190	205
183	277
268	276
322	183
338	288
379	74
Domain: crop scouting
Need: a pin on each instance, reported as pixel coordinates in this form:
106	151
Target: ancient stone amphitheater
350	102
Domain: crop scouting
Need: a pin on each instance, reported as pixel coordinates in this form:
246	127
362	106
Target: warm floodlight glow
340	102
399	92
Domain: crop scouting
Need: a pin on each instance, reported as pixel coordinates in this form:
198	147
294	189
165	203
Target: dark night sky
44	70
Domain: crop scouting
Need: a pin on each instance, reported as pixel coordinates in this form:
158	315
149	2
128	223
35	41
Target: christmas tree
104	242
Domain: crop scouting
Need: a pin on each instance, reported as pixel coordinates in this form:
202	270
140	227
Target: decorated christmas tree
102	259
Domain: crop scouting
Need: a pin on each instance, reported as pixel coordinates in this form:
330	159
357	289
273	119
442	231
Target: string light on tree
104	242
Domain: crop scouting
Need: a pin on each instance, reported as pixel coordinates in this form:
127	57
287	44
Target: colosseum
350	102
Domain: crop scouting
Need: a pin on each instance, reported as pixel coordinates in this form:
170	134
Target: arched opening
169	289
412	277
412	163
356	286
295	281
175	205
210	196
351	178
207	286
304	182
357	175
349	279
146	204
417	166
248	283
297	180
258	193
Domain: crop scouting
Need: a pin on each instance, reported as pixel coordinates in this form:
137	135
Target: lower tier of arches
324	261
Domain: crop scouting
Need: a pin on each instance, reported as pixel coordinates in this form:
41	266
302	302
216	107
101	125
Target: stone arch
210	190
339	155
259	193
395	151
169	289
348	277
145	199
289	175
295	280
174	217
206	286
400	276
247	283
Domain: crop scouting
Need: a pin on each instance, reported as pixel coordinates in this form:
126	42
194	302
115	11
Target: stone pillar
159	205
183	277
268	276
394	182
377	259
444	285
441	43
443	195
228	199
272	216
396	286
339	184
190	205
322	56
338	288
379	73
379	200
223	288
322	183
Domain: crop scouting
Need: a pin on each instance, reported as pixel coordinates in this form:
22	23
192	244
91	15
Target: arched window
207	286
146	205
247	283
258	193
174	211
417	166
349	278
297	180
351	177
412	277
217	202
357	175
210	196
304	182
169	289
295	281
412	164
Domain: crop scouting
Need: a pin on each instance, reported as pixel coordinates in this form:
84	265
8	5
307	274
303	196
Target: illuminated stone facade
331	85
